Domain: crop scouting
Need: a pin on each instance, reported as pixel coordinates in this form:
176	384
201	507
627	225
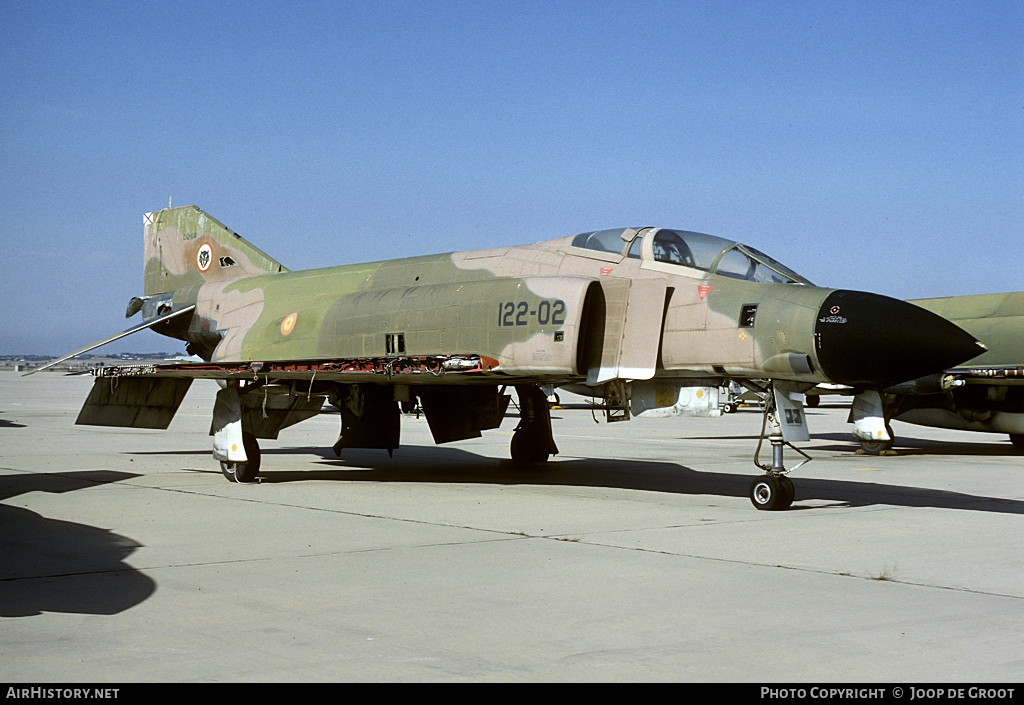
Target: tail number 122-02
511	313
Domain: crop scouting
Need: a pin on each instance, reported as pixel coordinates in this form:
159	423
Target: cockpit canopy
706	253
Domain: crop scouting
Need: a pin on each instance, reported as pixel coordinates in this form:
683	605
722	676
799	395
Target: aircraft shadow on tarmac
61	566
842	442
455	465
1000	446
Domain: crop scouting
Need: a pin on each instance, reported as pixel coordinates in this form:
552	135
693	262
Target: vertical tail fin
184	247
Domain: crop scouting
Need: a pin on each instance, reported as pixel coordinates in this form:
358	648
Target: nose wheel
772	492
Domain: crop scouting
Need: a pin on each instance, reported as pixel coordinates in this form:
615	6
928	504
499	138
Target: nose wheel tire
772	492
787	487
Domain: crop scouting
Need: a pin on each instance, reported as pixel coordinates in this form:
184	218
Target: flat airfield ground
125	556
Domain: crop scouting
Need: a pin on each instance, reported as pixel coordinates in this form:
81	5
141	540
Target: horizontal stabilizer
112	338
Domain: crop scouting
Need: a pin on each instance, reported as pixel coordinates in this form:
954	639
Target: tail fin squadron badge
204	257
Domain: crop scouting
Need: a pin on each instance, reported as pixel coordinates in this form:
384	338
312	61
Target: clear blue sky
868	145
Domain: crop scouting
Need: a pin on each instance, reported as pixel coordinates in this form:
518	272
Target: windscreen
742	262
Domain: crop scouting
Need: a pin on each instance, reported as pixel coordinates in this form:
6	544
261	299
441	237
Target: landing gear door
789	406
634	310
227	426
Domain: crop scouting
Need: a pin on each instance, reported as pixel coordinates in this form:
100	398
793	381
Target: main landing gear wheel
247	471
878	447
1017	439
772	492
875	447
527	450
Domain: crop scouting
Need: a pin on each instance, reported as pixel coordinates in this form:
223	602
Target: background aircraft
674	314
986	395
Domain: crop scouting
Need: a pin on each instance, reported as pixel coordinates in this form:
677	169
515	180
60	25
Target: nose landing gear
772	492
784	420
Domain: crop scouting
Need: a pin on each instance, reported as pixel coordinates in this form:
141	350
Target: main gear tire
249	470
525	449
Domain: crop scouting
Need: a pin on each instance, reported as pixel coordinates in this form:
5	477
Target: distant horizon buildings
93	356
85	361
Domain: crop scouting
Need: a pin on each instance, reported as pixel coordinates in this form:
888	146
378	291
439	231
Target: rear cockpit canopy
706	253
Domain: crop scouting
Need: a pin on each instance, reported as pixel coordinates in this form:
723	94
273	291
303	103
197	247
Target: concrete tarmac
636	555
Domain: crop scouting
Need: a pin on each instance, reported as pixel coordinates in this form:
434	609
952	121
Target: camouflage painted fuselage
592	307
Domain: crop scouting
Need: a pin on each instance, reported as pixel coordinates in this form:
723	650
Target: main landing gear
248	470
234	445
532	441
878	447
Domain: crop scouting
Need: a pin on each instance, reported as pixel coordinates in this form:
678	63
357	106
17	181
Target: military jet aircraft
674	314
987	395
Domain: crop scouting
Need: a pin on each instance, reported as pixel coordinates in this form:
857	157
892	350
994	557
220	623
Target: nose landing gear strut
785	422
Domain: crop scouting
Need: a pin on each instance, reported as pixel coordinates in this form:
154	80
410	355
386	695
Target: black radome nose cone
869	339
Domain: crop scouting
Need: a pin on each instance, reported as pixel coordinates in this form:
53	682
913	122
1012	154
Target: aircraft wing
277	394
394	370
